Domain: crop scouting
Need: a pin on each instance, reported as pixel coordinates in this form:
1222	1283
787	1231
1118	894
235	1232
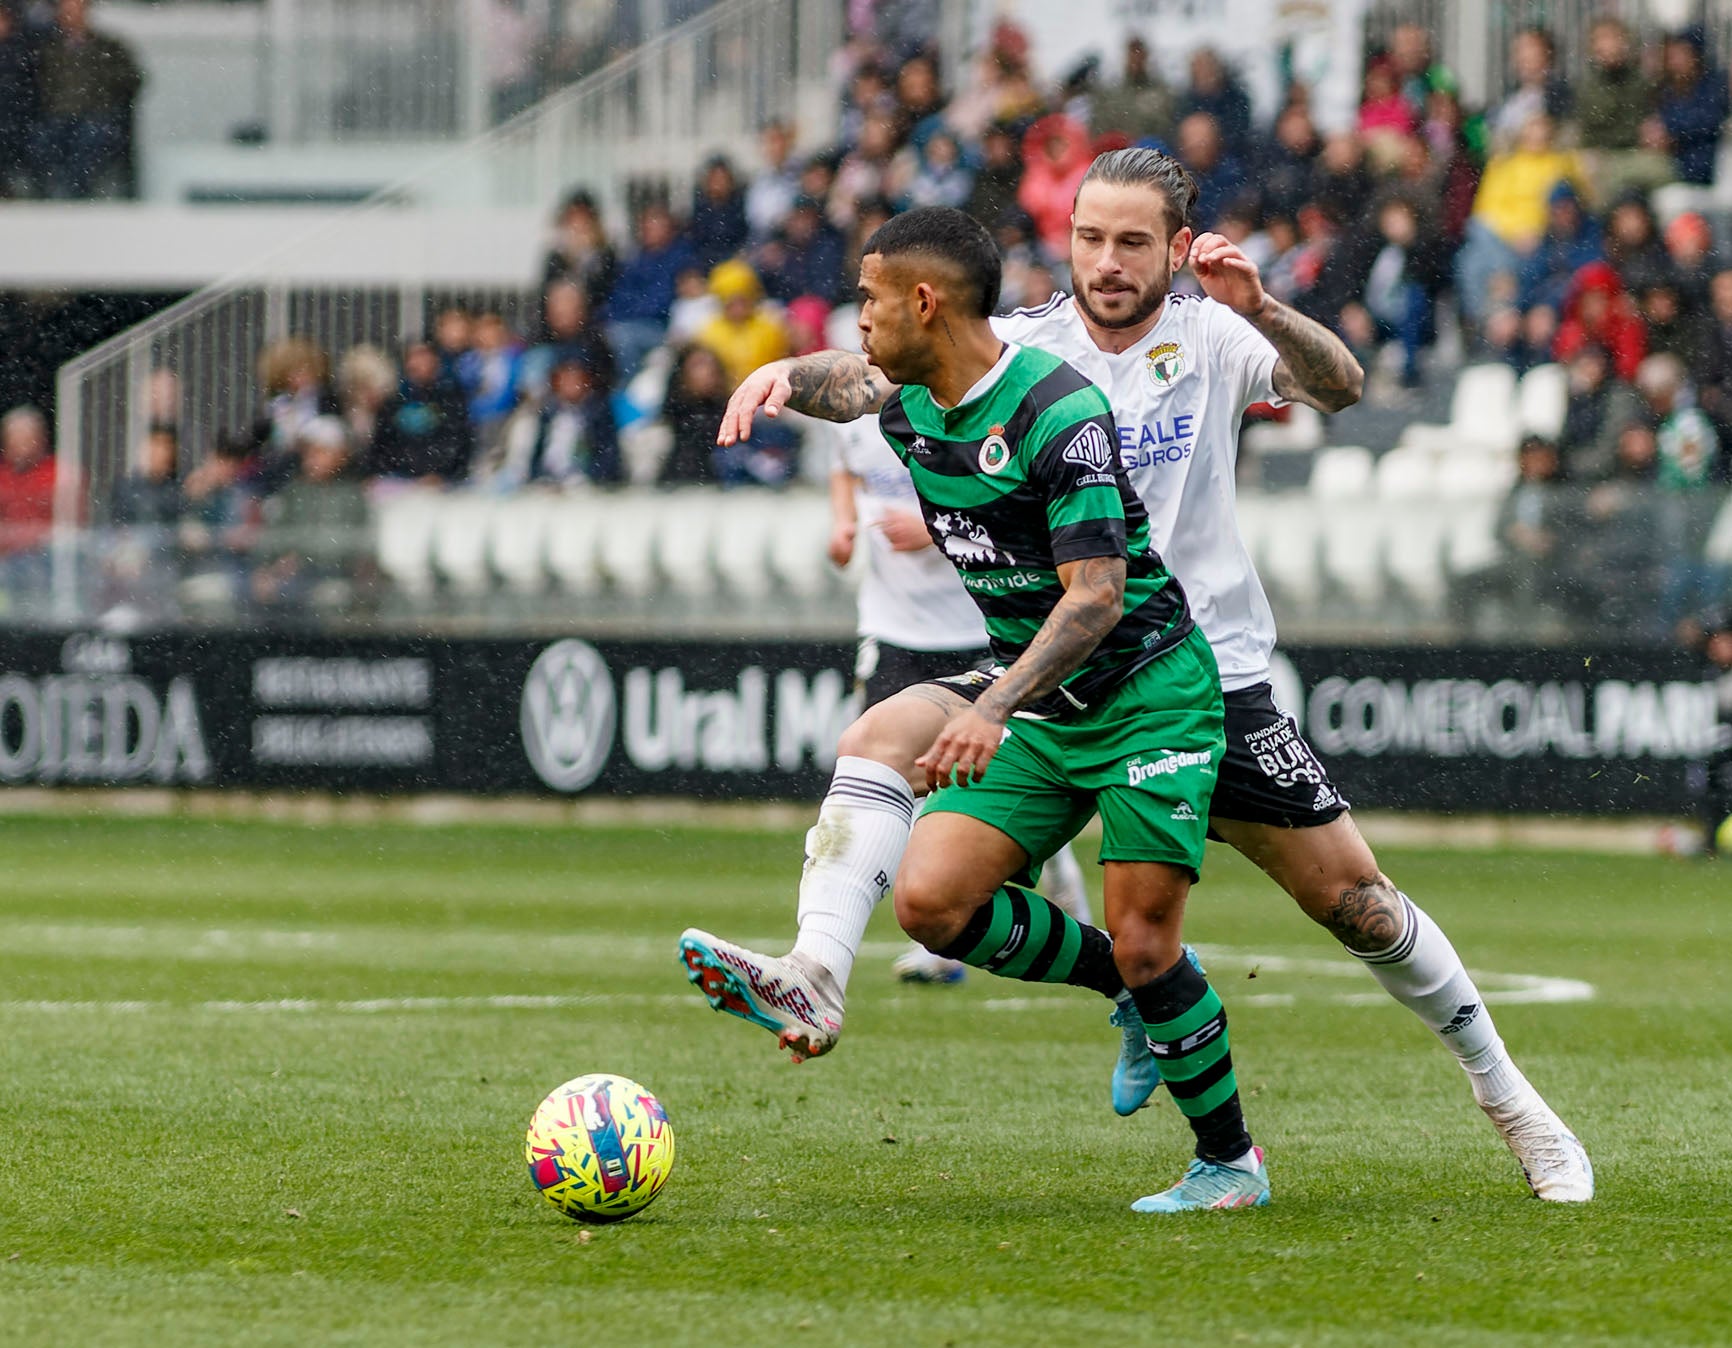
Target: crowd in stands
1526	227
67	92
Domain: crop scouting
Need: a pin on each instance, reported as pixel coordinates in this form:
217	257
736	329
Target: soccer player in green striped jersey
1108	699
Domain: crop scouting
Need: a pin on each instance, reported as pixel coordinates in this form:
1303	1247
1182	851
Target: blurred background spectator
564	437
27	478
87	84
423	432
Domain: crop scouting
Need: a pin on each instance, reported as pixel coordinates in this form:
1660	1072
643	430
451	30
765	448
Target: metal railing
644	122
372	70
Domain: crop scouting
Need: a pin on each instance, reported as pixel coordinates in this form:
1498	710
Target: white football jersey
910	599
1178	396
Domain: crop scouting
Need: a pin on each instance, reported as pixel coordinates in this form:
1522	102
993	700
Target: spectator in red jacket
26	506
1057	153
1599	313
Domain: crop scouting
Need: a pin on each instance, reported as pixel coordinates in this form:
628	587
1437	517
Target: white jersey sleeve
1245	355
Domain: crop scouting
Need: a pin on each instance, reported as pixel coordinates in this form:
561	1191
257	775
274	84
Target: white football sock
1061	880
851	858
1423	972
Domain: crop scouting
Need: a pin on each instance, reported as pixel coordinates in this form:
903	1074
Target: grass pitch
259	1086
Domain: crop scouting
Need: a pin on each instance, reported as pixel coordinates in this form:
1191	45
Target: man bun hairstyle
952	236
1137	166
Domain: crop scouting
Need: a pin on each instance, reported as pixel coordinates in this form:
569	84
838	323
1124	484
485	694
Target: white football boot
917	964
1554	1163
792	997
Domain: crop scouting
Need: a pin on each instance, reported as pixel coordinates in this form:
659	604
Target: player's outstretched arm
829	385
1315	366
1093	603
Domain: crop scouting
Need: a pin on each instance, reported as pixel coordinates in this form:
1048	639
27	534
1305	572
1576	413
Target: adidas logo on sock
1464	1016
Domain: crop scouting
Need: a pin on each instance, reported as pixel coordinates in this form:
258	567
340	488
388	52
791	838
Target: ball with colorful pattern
600	1148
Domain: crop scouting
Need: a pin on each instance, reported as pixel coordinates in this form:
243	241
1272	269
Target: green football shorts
1146	759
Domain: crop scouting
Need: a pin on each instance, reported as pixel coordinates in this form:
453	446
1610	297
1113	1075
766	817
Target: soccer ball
600	1148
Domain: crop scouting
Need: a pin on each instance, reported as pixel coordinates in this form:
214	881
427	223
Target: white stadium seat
799	536
746	524
1543	397
461	533
1482	414
1413	539
1289	552
1718	548
573	552
406	520
1342	472
1471	542
1302	430
1352	544
685	536
1406	475
626	547
1472	476
517	545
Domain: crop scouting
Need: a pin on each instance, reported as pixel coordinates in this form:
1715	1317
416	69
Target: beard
1147	302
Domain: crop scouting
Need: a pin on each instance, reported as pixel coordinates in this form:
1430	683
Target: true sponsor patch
1090	449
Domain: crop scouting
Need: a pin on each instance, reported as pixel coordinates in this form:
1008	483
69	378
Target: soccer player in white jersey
916	623
1180	372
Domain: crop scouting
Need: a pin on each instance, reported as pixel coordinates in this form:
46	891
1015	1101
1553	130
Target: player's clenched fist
1227	275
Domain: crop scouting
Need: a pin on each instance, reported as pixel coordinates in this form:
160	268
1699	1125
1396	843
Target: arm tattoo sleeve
836	386
1091	607
1315	365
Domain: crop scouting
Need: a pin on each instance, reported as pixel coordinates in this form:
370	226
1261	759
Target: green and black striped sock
1187	1028
1018	934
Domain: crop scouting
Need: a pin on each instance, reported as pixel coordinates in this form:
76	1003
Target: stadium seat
1342	472
685	537
406	521
1472	476
1302	430
1471	544
1414	533
744	527
1543	396
1289	552
1718	548
797	544
1406	475
626	547
517	545
1352	546
461	533
1482	414
573	552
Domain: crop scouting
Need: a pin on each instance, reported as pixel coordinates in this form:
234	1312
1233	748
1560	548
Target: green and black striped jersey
1020	479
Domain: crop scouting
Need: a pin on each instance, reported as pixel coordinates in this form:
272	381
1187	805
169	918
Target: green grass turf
180	1174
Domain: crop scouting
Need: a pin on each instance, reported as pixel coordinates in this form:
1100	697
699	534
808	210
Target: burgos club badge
1166	364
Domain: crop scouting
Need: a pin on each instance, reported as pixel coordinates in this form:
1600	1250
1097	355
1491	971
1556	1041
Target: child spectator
745	334
565	439
488	373
697	397
423	433
1597	312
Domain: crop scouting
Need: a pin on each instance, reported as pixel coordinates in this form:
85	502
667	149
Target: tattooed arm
1093	603
1315	366
830	385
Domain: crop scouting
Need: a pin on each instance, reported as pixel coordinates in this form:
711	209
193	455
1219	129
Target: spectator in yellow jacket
1509	215
746	334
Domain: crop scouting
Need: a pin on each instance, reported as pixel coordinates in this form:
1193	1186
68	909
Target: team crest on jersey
1166	363
1091	449
994	451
